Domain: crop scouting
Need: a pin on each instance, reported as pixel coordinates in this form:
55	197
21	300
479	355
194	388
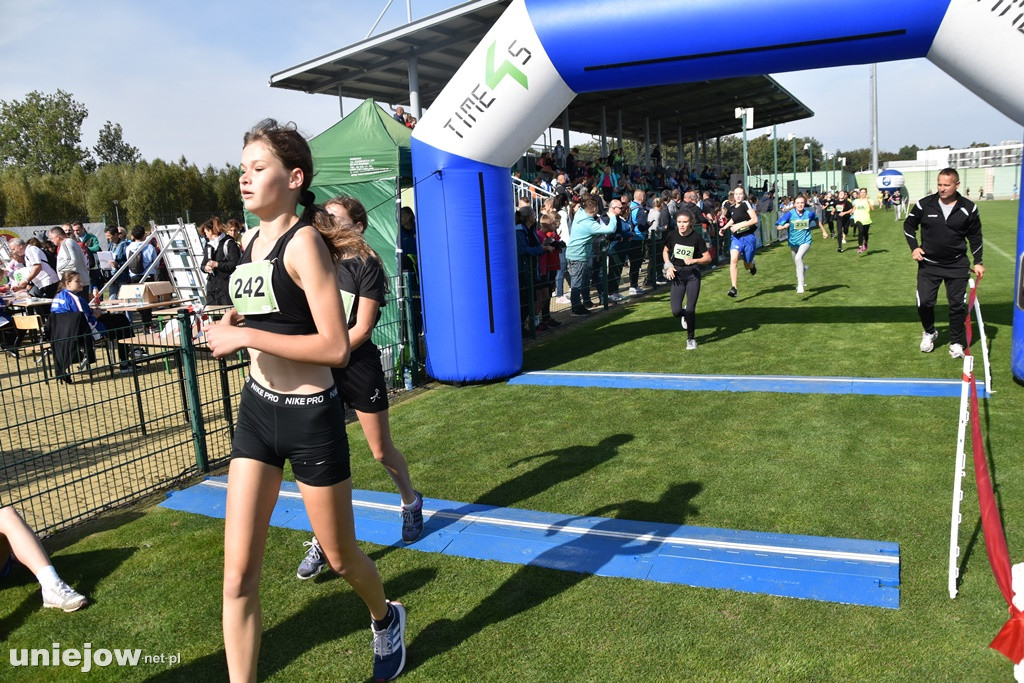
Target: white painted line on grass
996	249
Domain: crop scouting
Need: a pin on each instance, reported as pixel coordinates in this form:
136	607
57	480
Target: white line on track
627	536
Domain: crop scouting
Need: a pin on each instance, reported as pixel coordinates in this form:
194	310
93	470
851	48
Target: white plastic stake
984	343
958	475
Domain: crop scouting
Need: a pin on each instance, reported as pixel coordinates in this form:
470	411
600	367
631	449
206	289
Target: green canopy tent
366	156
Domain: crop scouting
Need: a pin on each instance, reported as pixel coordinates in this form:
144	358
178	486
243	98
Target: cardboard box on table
147	292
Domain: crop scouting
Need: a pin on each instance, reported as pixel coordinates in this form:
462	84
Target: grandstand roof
376	67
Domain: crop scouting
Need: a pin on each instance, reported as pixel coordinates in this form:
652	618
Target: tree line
47	176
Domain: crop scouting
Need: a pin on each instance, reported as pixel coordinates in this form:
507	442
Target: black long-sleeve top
943	239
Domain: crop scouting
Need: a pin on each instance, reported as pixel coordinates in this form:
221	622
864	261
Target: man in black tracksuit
946	219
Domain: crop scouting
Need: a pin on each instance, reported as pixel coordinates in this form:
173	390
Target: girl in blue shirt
70	299
800	220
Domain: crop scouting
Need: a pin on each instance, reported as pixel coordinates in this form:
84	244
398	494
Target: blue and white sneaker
412	520
389	645
313	563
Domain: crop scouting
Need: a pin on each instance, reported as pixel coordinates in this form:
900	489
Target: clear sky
188	77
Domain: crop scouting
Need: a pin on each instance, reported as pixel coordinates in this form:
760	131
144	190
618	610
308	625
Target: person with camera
684	253
579	252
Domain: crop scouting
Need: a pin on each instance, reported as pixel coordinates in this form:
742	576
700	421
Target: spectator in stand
560	154
570	163
528	248
548	266
560	206
657	221
618	246
70	257
702	225
119	249
220	258
41	280
410	121
638	223
608	181
579	253
399	115
19	543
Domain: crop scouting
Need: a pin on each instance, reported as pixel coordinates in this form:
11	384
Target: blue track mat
816	568
878	386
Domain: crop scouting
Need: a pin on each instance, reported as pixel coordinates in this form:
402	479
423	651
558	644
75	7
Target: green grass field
850	466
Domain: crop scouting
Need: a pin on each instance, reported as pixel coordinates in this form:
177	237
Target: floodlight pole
117	214
775	175
746	115
810	163
792	137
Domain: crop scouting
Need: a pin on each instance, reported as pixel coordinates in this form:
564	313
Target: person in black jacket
220	258
946	219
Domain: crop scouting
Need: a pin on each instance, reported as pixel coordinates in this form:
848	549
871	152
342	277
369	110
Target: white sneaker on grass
63	596
956	351
928	341
691	344
683	321
799	289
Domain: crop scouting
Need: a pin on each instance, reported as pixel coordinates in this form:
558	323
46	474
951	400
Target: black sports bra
293	315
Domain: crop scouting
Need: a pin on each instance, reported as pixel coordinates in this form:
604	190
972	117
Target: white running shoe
691	344
799	289
63	596
956	351
562	300
928	341
683	321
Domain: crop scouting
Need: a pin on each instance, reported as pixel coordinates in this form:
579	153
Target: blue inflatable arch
541	53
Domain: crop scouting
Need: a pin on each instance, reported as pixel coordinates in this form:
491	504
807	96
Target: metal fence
145	412
90	425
